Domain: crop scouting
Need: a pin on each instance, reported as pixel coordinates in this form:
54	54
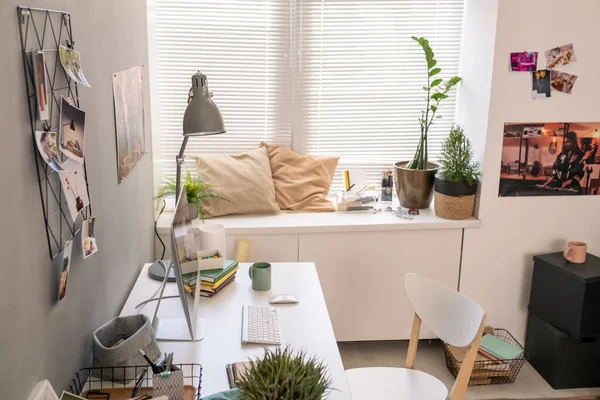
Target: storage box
564	362
567	295
200	264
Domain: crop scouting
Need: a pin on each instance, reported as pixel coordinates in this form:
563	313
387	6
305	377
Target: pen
350	188
155	369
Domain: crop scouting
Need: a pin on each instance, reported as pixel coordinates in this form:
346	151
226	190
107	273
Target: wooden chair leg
413	343
459	390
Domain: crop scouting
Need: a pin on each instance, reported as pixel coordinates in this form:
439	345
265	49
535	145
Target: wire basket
87	380
488	372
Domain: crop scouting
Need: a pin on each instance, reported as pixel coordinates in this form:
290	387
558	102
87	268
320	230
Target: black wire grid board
92	381
46	30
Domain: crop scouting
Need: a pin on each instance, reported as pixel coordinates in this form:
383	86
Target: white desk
303	326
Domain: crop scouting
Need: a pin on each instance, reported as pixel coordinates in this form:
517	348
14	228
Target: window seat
306	222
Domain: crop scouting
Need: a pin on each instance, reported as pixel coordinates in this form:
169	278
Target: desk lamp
201	118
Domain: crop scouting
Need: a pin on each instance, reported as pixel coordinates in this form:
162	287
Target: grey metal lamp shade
202	117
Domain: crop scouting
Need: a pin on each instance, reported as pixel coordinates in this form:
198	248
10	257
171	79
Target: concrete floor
430	358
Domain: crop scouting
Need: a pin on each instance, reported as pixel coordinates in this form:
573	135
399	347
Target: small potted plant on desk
197	192
283	375
456	182
415	178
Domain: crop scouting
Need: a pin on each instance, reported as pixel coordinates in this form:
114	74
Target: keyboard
260	325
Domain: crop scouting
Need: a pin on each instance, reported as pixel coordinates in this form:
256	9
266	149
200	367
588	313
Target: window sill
305	222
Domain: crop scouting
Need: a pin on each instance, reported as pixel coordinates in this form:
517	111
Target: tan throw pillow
301	181
245	179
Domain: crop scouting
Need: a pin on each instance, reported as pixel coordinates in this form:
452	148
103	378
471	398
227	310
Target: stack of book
212	281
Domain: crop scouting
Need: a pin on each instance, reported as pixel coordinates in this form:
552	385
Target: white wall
497	258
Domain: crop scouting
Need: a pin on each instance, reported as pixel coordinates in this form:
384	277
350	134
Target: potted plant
283	375
456	182
197	192
415	178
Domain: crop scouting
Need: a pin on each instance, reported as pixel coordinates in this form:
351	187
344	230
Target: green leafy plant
456	160
285	375
437	90
196	189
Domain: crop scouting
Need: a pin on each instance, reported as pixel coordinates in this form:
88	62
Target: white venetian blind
361	78
243	48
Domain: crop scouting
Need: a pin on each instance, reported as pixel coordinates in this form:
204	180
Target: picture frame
43	390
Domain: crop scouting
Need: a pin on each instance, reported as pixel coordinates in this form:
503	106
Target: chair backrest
452	316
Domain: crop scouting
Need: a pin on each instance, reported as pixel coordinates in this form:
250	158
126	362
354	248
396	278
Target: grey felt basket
118	343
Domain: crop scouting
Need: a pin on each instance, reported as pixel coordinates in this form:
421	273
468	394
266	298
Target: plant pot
454	200
193	210
415	186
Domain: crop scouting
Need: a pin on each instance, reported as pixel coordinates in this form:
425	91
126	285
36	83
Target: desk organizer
490	372
86	380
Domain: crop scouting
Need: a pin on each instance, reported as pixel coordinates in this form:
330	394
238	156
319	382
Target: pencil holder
168	384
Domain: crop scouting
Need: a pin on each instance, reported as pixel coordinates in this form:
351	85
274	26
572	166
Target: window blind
243	48
326	77
361	76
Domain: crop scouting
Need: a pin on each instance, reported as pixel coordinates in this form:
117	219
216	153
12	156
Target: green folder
499	348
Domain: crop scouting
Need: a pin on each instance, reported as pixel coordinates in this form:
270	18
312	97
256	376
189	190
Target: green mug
260	273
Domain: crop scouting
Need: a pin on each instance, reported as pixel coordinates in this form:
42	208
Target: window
337	77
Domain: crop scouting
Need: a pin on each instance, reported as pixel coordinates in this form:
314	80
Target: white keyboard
260	325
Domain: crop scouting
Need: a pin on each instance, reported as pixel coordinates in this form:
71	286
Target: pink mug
575	252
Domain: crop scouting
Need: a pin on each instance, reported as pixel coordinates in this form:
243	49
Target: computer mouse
283	299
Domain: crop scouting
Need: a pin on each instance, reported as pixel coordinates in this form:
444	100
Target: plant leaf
452	81
435	71
437	96
431	62
436	82
433	108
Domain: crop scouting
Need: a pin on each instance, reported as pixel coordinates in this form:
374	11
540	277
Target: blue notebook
499	348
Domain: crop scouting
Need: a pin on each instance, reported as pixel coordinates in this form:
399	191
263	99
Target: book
210	275
236	371
205	293
211	286
498	348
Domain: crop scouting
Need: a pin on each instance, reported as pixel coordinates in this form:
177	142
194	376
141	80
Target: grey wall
38	338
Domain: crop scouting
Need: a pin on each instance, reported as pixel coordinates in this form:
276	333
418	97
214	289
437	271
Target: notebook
236	371
499	348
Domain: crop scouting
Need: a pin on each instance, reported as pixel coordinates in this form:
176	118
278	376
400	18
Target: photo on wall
88	238
128	96
74	187
65	266
561	55
41	86
562	82
71	62
524	61
540	86
550	159
72	131
46	145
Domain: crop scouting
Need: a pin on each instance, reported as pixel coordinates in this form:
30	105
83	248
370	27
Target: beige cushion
245	179
301	181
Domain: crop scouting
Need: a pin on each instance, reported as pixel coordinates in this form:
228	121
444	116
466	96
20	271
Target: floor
430	358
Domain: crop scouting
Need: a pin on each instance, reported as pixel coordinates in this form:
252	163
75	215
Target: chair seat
394	384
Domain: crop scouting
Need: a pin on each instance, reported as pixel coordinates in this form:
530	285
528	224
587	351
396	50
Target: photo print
524	61
41	87
46	145
88	239
71	62
550	159
74	187
540	88
562	82
562	55
72	131
128	96
64	270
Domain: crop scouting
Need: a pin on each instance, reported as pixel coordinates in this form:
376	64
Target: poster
550	159
128	98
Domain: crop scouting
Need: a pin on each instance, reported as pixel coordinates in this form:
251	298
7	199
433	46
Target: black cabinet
567	295
563	361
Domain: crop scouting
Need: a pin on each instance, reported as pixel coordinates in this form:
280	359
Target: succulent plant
285	375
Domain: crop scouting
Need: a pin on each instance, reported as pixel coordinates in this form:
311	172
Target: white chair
454	318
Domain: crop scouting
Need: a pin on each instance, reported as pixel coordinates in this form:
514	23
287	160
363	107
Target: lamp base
157	271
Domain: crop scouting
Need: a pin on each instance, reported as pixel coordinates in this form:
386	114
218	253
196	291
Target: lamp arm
180	159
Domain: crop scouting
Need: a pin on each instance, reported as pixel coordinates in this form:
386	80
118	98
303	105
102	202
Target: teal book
210	275
499	348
